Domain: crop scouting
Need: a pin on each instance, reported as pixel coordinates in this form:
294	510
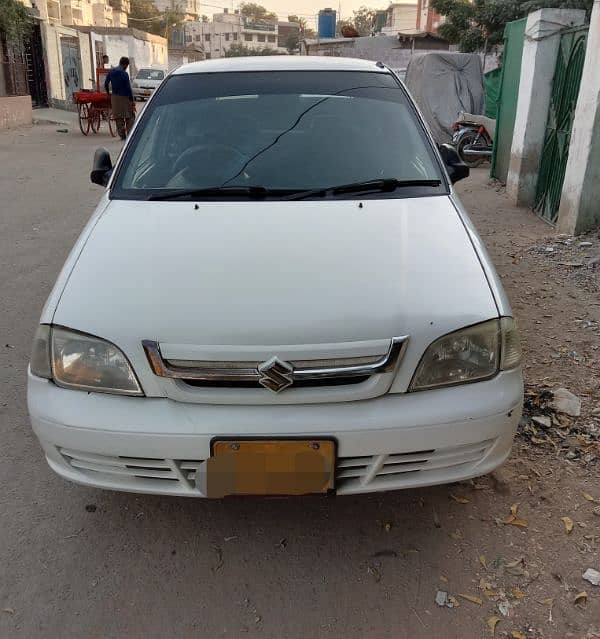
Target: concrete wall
51	36
141	53
385	49
579	209
15	111
540	50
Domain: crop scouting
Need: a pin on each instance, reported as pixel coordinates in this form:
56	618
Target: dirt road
78	562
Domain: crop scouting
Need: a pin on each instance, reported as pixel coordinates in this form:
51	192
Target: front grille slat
117	470
392	470
147	473
116	461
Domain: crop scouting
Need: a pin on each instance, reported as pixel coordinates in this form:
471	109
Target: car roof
281	63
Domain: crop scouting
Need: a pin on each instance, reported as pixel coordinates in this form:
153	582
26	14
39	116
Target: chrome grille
274	373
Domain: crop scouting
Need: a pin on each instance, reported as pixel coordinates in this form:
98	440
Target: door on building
36	72
563	100
71	65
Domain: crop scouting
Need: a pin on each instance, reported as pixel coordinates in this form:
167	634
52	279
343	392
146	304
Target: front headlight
471	354
84	362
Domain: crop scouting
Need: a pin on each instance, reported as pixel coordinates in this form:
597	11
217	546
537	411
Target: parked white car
278	293
146	81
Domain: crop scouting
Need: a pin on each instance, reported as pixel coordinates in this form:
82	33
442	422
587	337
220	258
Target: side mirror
457	169
102	167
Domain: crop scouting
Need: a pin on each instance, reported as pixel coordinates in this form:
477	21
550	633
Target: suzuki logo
275	374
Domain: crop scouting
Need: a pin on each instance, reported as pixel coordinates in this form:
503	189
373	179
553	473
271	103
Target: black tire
467	139
83	111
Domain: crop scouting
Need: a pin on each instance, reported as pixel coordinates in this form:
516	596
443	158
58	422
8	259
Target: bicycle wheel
95	119
83	110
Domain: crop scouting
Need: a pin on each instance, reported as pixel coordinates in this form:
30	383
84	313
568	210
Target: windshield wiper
257	192
379	185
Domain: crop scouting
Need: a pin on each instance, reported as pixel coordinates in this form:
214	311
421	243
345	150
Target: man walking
121	99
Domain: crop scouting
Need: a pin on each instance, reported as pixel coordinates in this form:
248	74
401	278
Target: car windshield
150	74
280	132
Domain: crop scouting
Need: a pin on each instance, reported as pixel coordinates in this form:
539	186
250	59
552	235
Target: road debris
568	522
581	599
593	576
459	499
443	599
472	598
513	519
491	623
565	402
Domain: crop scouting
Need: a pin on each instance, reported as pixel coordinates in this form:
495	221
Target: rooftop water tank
327	20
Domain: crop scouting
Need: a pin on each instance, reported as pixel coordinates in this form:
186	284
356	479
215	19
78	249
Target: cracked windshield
281	131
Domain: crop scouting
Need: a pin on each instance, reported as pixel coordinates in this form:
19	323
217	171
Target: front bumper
142	94
156	445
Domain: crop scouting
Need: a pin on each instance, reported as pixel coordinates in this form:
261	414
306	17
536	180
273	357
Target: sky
304	8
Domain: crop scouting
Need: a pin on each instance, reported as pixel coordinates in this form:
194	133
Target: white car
146	81
278	293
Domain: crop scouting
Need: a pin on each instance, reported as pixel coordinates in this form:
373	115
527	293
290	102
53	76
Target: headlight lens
472	354
40	353
83	362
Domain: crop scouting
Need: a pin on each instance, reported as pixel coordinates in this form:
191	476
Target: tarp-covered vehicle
444	85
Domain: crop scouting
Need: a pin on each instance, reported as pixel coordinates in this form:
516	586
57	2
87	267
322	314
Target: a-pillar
580	200
540	50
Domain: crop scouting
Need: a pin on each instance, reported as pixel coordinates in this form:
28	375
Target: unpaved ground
78	562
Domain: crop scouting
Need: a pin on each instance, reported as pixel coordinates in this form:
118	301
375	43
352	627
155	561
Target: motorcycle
473	138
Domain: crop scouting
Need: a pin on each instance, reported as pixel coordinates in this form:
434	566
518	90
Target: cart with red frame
93	107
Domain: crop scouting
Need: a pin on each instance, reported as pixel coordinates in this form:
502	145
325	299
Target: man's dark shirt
119	79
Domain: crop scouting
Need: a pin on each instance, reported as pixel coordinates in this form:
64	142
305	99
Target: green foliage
145	16
305	30
256	12
291	42
15	22
364	20
238	50
477	25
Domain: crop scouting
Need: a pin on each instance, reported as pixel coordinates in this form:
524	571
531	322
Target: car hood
276	273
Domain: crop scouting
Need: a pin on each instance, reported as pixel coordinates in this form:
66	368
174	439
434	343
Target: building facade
216	37
189	8
401	16
81	13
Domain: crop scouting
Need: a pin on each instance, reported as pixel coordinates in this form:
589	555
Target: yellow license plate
147	92
270	467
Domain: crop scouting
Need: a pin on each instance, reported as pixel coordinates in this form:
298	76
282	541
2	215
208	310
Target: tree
364	20
477	25
256	12
204	18
237	50
145	16
291	42
362	23
15	21
305	30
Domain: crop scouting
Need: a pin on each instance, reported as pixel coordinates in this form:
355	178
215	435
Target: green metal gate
514	33
555	152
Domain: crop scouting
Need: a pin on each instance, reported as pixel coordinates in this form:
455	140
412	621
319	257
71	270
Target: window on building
207	37
226	37
197	38
188	38
207	56
235	35
248	37
271	38
261	37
